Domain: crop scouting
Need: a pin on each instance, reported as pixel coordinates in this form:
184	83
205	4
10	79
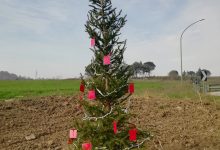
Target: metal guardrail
204	87
213	87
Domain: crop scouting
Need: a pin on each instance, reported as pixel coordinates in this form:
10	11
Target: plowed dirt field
44	122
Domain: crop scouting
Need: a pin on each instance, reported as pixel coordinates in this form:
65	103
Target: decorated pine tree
105	93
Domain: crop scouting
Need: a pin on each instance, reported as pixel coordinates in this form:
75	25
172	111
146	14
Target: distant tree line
192	75
145	69
138	69
142	69
4	75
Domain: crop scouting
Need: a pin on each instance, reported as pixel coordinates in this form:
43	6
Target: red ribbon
115	127
82	87
131	88
70	141
133	134
87	146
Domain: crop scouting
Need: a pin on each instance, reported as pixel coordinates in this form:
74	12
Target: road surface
215	93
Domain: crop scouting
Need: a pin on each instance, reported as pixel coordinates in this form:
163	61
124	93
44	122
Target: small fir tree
106	122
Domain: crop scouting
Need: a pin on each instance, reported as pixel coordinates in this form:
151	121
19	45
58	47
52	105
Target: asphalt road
215	93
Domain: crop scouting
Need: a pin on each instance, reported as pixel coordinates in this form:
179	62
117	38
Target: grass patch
169	89
153	88
30	88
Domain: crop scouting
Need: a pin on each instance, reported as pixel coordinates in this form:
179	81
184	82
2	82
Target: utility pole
36	74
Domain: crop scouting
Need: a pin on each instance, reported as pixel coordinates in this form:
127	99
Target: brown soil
46	121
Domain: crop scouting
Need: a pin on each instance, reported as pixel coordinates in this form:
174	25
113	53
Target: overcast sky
49	35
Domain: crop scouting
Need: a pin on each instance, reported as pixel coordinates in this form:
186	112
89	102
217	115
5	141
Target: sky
48	36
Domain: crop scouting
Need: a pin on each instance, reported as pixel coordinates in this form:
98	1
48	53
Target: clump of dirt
43	123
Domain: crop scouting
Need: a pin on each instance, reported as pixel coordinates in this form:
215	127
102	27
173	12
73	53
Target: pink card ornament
107	60
87	146
91	95
73	134
92	42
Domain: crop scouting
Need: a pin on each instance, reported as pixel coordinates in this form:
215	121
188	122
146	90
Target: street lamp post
181	38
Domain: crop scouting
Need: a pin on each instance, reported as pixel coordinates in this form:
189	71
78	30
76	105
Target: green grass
169	89
32	88
152	88
164	88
